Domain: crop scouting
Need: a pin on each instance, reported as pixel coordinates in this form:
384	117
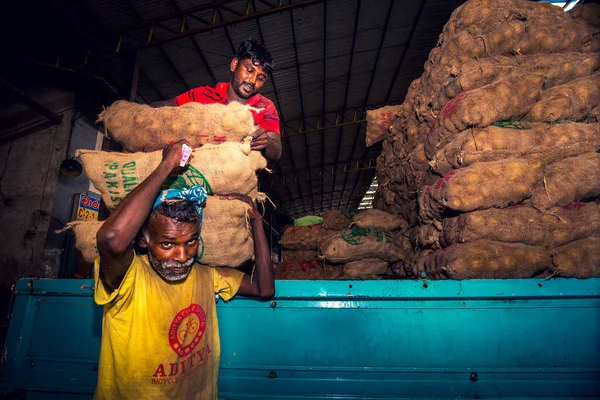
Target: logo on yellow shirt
187	330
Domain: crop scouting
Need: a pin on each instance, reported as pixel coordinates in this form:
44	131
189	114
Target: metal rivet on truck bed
474	377
273	304
272	374
423	274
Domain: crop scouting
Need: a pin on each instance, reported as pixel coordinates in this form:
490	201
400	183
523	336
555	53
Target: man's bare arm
262	284
122	226
164	103
269	142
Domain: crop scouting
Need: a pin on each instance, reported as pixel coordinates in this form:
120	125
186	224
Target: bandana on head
194	194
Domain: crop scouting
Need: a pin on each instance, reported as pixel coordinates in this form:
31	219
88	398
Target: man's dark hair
182	211
254	50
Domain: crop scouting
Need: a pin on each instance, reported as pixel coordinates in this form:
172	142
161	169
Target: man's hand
171	156
260	139
253	213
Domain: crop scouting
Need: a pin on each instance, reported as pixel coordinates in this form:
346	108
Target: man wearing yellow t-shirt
160	337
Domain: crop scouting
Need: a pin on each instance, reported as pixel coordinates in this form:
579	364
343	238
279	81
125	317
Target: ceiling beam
216	6
326	170
323	86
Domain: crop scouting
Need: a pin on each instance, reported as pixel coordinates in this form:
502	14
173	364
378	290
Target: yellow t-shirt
159	339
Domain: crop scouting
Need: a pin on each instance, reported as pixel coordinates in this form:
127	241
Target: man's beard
166	268
236	84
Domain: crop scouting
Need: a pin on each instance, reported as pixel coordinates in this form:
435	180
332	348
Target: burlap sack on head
302	237
525	225
366	267
226	240
139	127
298	255
569	180
306	270
485	259
335	220
358	243
220	169
579	259
550	142
505	99
379	123
85	237
373	218
572	101
480	186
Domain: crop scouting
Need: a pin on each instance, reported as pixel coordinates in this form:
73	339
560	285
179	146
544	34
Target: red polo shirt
267	117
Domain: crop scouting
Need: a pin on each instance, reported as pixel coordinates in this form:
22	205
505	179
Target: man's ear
234	64
142	242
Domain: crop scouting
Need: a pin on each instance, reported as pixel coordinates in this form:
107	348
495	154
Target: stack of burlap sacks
221	162
345	246
493	157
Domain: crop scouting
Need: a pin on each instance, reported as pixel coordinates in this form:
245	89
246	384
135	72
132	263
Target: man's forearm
273	149
264	270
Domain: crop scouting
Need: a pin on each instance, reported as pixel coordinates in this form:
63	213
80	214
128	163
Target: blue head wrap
194	194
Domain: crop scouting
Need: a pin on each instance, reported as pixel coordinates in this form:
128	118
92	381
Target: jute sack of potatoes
505	99
139	127
358	243
551	142
569	180
485	259
220	169
484	13
299	255
525	225
374	218
588	13
367	267
306	270
572	101
379	122
335	220
225	239
558	69
480	186
579	259
302	237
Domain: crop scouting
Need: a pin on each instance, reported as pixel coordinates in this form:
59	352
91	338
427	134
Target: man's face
246	78
171	245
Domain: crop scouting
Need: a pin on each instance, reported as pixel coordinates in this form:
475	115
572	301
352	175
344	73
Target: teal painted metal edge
380	289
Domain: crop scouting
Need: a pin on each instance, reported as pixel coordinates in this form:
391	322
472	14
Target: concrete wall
30	157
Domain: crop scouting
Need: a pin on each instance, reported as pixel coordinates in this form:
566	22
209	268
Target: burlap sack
426	236
226	239
579	259
558	69
588	13
306	270
573	101
485	259
365	268
220	169
335	220
551	143
505	99
139	127
379	123
302	237
480	186
292	255
373	218
569	180
85	237
525	225
358	243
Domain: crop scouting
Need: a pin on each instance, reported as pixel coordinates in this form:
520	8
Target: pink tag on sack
186	151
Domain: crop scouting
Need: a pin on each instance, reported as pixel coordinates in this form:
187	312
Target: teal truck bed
484	339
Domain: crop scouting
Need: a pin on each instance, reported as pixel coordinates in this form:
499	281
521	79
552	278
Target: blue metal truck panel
518	339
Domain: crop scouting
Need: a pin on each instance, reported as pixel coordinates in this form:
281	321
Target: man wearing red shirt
250	69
